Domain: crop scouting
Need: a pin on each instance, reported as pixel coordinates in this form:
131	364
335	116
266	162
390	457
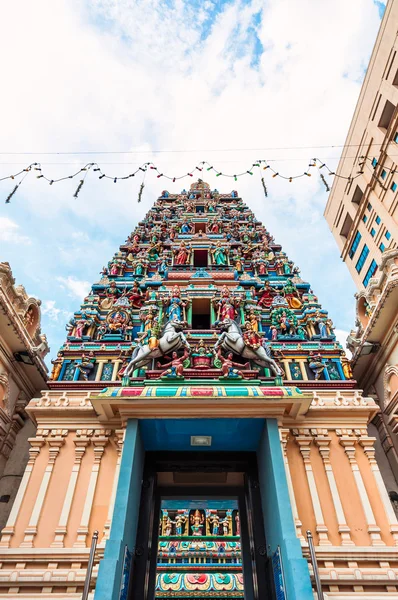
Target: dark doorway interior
193	504
200	258
201	313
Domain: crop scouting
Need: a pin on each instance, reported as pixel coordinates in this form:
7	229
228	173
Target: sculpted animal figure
172	339
231	340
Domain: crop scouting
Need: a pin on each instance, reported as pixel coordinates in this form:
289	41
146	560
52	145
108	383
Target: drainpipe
318	584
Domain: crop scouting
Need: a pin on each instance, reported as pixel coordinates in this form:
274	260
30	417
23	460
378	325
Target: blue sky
150	75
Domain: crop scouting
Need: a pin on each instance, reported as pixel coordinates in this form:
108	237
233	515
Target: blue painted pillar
277	512
125	515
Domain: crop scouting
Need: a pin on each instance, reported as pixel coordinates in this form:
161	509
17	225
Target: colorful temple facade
201	416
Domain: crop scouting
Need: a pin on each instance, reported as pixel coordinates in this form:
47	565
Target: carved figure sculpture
231	339
315	363
173	339
175	368
228	367
57	366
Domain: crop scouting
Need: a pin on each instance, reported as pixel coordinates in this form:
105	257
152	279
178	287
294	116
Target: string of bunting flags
262	165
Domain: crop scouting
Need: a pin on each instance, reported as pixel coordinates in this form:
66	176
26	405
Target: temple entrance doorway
200	532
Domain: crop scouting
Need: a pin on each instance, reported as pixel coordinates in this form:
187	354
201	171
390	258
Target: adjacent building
201	417
23	376
362	213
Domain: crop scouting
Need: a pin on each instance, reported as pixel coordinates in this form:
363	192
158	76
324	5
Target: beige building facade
362	213
23	375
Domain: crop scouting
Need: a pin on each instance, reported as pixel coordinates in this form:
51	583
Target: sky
176	82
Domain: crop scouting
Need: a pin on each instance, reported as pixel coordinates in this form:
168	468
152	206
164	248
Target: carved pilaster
348	440
55	440
304	440
99	441
367	444
36	444
81	442
322	440
118	440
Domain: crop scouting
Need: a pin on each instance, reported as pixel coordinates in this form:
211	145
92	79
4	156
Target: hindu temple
201	417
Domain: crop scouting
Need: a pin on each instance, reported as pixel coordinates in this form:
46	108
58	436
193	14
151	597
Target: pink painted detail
202	391
269	391
131	391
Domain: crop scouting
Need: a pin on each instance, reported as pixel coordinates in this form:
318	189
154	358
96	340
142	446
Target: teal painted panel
278	518
125	515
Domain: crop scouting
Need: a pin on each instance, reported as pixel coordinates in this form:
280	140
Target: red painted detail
270	391
131	391
202	391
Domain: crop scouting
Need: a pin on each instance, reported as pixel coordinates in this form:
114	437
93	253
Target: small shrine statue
197	520
81	325
175	305
86	365
180	521
201	356
291	295
225	526
215	522
135	295
219	254
253	318
29	317
237	523
111	294
151	332
186	227
226	305
346	365
266	295
315	363
229	367
168	526
175	368
182	254
57	366
251	338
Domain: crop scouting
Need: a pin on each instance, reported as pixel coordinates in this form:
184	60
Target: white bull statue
231	340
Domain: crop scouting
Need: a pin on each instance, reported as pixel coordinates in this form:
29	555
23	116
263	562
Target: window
345	230
378	220
355	244
373	232
394	186
201	313
382	247
374	162
396	138
364	218
370	272
388	235
383	174
362	258
200	258
369	207
386	115
357	197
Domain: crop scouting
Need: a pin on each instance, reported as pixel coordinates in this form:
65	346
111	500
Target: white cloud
155	74
78	289
9	232
341	336
53	313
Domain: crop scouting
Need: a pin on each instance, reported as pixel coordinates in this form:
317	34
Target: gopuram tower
201	416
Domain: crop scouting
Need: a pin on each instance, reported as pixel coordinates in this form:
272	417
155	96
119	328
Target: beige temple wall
336	492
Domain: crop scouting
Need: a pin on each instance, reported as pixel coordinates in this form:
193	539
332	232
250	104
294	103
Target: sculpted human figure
182	254
175	368
229	367
219	254
57	366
